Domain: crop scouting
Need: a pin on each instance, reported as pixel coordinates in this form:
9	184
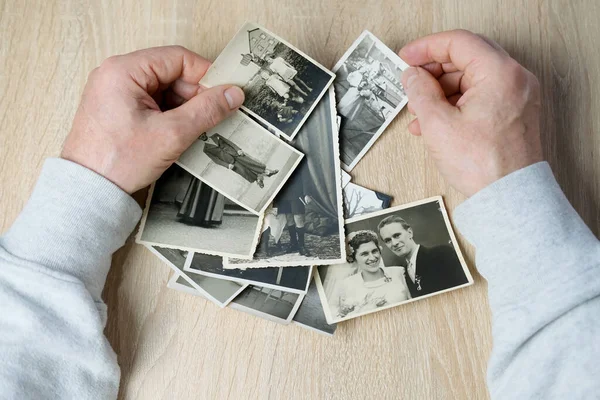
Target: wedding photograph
304	225
184	213
272	304
241	160
282	84
395	256
369	95
289	279
310	314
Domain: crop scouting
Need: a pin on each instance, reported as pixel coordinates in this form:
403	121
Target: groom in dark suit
428	269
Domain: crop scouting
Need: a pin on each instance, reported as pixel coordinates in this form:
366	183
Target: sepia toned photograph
395	256
310	314
183	212
289	279
304	225
242	161
359	200
369	95
272	304
282	85
215	290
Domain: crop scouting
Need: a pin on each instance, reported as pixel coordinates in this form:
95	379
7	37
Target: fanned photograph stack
261	215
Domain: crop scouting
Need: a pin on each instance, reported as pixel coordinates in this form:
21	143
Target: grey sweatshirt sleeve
542	265
53	265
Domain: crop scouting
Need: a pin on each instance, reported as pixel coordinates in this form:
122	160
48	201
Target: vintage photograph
282	85
183	212
304	225
218	291
272	304
345	178
310	315
178	282
241	160
369	95
289	279
398	255
359	200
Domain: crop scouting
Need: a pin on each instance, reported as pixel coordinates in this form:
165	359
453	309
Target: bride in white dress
372	285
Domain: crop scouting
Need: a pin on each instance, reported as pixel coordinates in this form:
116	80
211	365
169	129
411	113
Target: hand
120	130
230	166
477	109
240	153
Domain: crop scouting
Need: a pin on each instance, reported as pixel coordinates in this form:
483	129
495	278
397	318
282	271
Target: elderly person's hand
477	108
140	111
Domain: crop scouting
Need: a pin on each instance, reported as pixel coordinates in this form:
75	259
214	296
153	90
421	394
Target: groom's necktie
409	282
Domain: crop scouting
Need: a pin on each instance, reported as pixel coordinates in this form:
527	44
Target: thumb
205	110
425	95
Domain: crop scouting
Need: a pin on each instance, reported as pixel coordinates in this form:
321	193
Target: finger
493	44
203	111
458	47
449	67
434	69
454	98
437	69
425	95
172	100
410	109
156	68
451	83
185	89
414	127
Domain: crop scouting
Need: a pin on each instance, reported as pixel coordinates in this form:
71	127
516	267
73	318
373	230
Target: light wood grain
175	346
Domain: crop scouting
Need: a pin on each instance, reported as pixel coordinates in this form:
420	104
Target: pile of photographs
260	214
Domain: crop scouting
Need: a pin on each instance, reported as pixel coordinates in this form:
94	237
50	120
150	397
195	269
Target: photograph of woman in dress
364	284
201	205
229	155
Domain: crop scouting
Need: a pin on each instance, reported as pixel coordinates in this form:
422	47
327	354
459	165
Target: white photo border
324	302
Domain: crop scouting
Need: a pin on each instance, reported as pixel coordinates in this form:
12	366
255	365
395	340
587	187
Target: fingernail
234	96
409	75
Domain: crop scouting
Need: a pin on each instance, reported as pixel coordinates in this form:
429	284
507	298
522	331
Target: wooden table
175	346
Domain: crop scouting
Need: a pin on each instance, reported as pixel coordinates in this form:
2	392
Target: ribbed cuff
525	233
73	222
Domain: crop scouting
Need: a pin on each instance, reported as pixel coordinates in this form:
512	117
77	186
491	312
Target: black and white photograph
345	178
242	160
395	256
359	200
183	212
282	85
304	225
310	315
289	279
272	304
178	282
218	291
369	95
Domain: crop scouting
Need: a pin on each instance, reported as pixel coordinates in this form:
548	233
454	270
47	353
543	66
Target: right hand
230	166
477	108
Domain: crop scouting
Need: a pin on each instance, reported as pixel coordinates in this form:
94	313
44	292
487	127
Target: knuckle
110	63
464	32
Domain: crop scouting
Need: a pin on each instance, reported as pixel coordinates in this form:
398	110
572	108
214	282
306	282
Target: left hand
121	130
240	153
